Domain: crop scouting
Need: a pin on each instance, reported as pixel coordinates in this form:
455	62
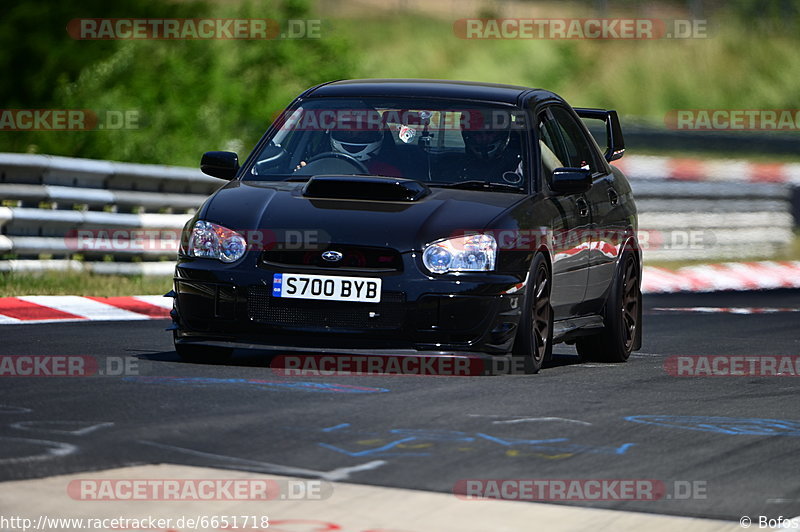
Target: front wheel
534	341
621	317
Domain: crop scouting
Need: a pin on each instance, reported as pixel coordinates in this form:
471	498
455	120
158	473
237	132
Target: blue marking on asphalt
336	427
322	387
622	449
509	443
724	425
382	449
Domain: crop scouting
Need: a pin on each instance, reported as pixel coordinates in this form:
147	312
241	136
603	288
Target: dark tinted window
576	151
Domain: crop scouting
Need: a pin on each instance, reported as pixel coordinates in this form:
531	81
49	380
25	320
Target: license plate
326	287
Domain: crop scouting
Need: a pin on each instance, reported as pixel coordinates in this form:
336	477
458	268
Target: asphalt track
572	421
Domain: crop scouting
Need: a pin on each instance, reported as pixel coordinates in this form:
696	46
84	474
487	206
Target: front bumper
232	306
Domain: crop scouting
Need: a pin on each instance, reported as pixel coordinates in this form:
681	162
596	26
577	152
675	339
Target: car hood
282	209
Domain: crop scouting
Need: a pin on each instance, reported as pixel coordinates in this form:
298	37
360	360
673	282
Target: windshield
438	142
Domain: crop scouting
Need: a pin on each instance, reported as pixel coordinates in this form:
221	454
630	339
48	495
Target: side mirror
571	180
615	143
222	164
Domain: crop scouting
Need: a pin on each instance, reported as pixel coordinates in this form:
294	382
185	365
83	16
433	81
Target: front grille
353	258
278	311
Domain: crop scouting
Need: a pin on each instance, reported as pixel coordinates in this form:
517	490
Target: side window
550	146
577	152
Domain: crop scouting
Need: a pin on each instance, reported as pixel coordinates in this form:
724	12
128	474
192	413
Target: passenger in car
490	154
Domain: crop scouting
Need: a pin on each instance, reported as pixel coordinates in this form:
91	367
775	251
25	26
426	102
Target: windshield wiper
478	185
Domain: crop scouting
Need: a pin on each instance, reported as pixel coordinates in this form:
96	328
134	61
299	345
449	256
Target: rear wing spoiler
615	144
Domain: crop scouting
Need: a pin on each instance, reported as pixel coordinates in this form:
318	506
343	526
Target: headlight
474	253
212	241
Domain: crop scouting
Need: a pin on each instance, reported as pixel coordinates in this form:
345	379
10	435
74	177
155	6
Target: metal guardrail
48	201
713	220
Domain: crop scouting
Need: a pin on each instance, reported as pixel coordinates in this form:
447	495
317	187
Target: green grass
81	284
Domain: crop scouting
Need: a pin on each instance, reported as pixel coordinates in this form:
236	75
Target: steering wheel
343	156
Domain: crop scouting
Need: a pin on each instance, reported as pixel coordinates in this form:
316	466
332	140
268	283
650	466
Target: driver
491	153
360	134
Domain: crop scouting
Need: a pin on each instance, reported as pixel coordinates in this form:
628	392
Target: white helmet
360	137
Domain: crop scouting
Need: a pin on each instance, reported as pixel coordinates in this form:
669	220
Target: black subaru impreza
416	217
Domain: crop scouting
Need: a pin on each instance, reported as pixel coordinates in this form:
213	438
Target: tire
534	341
203	354
622	317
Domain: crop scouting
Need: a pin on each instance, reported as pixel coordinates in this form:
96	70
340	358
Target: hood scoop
365	188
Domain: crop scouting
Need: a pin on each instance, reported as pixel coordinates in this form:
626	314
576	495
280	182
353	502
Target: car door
607	223
570	226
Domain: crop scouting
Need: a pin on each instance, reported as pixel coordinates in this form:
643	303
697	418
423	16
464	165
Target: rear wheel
621	317
534	341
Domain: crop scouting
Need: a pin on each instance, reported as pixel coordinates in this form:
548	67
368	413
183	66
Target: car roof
431	88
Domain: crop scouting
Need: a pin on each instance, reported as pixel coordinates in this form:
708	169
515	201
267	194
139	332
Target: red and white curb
48	309
703	278
656	167
717	277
